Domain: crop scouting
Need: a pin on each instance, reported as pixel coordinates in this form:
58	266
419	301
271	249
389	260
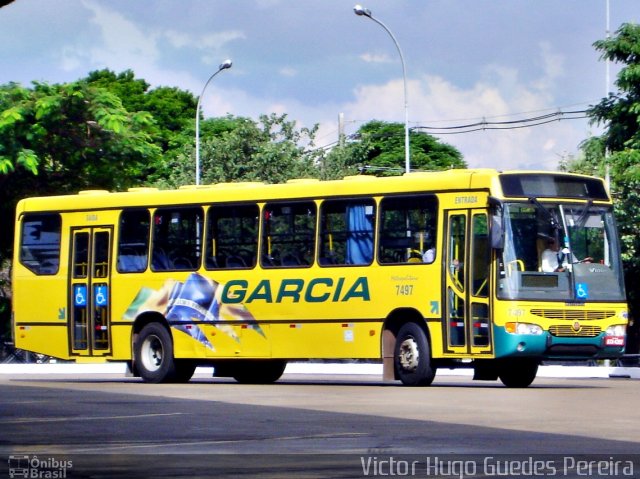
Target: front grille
572	314
566	330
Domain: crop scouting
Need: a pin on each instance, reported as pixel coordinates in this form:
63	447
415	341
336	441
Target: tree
236	148
63	138
618	152
379	146
620	111
172	109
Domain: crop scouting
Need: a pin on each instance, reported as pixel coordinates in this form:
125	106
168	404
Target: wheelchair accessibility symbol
582	290
80	295
100	295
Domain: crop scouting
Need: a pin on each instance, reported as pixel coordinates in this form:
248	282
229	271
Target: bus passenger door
89	292
467	283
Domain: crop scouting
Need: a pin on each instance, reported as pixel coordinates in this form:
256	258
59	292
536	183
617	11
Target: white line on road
85	418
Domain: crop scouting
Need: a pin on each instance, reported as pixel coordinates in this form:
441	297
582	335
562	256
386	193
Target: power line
504	125
483	125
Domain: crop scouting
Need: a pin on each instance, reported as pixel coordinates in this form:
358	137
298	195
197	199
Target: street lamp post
223	66
365	12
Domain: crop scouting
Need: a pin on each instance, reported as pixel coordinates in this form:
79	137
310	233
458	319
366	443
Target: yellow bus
423	271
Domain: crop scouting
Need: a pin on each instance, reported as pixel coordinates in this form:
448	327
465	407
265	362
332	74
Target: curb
585	372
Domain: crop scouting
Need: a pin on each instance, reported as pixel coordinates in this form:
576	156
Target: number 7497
404	289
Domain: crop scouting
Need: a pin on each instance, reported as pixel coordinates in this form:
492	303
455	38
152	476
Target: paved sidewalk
320	368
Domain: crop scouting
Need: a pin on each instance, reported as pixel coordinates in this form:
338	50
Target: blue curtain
359	235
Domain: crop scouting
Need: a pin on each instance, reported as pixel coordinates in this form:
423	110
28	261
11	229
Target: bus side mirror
497	224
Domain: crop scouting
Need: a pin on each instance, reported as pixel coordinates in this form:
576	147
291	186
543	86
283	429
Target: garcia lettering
318	290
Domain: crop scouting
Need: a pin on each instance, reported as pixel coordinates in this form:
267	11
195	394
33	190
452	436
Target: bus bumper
546	346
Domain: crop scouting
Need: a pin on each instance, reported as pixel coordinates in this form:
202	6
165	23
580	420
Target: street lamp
365	12
223	66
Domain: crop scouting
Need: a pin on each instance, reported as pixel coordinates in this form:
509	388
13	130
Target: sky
466	61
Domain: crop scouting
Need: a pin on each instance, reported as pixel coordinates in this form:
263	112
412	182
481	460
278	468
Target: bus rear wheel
184	370
412	357
264	371
518	373
153	353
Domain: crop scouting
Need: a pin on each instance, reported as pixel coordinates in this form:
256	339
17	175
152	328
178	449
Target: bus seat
160	260
327	260
132	259
181	263
128	263
235	262
290	260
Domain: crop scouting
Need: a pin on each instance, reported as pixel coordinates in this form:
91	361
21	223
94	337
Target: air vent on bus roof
360	178
240	184
302	181
92	192
195	187
141	189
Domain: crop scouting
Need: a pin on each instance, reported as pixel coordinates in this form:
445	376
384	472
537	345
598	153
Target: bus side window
133	241
232	236
288	234
40	243
346	232
177	239
407	229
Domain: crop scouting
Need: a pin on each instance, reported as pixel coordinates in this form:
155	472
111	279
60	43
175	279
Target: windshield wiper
582	219
553	221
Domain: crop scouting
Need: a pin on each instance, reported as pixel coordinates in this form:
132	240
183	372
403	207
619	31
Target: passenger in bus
429	255
423	250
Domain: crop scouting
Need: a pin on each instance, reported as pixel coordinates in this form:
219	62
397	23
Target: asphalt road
311	426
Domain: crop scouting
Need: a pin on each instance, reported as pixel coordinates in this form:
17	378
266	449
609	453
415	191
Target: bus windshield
556	251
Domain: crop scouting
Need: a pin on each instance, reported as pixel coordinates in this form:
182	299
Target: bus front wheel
153	352
412	358
518	373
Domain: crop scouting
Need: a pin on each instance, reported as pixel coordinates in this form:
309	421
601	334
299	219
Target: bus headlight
523	328
615	335
616	330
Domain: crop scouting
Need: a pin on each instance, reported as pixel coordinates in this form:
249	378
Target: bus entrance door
467	280
89	292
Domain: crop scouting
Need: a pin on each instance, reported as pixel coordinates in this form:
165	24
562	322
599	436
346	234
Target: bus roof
437	181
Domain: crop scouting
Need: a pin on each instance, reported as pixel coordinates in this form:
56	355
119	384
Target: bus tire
264	371
518	373
412	357
184	370
153	353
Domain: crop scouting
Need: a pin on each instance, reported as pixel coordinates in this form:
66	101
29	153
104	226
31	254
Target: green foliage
620	113
341	161
381	147
236	148
172	109
66	137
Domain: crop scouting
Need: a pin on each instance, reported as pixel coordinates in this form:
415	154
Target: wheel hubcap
409	355
152	353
